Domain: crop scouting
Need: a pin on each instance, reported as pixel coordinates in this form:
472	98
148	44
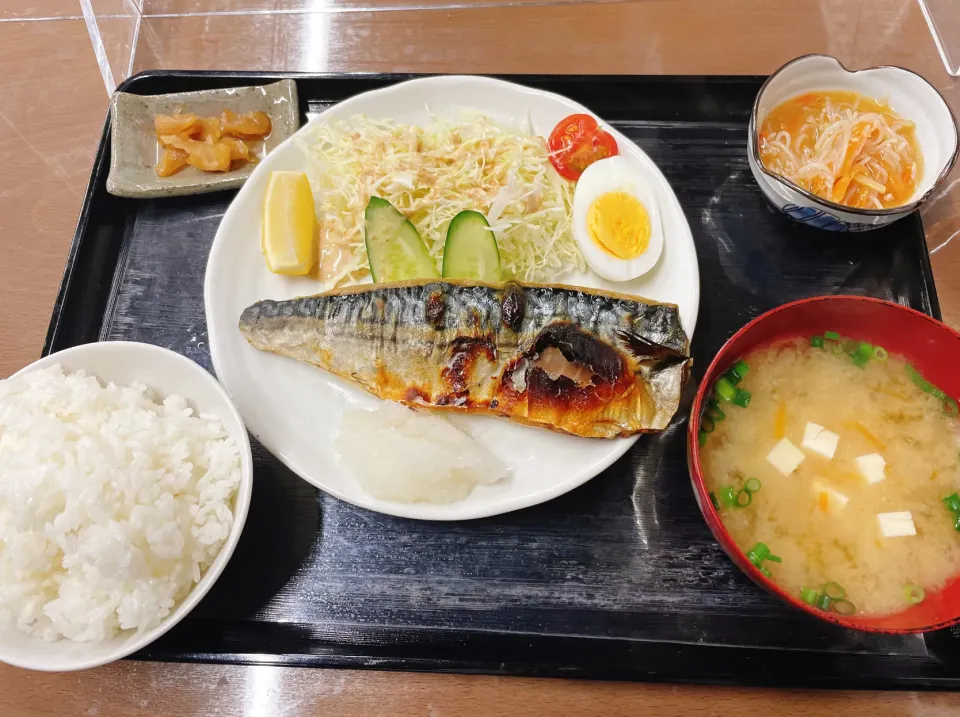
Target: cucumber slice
470	251
394	248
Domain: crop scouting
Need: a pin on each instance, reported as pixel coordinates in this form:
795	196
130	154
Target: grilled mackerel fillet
575	360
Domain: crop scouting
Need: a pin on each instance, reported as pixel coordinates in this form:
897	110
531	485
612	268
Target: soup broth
821	519
844	147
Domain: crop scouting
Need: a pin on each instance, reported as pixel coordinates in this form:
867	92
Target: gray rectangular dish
133	146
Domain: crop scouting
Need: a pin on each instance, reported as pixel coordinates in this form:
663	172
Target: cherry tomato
576	143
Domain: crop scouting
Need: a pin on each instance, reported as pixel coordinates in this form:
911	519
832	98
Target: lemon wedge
289	224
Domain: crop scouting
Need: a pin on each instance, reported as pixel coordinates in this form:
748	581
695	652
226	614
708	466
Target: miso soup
835	467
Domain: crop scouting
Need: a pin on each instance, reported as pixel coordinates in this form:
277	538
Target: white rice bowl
167	374
111	505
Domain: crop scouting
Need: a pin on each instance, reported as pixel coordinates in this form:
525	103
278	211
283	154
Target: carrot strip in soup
866	433
840	189
780	421
853	151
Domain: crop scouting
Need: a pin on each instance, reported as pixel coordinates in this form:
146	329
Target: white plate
294	409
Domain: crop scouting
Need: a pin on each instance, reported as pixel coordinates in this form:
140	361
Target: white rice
111	505
408	456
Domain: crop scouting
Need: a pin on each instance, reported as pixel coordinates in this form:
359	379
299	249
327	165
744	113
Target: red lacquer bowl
931	346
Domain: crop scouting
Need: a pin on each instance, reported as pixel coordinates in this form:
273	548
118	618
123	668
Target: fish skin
474	347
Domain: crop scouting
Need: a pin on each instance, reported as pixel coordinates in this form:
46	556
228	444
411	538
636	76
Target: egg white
615	174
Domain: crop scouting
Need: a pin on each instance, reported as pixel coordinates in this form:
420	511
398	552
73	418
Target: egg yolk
619	224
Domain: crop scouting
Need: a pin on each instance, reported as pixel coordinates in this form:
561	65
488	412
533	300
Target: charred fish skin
570	359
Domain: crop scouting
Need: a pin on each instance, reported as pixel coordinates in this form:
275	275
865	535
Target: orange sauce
844	147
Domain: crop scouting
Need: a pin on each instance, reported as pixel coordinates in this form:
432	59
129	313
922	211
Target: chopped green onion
860	361
938	393
740	368
713	499
816	342
849	346
834	591
752	485
716	414
952	502
725	389
758	553
836	348
914	375
728	495
713	410
918	380
732	377
741	397
864	351
832	335
880	353
809	595
702	437
843	607
707	425
950	407
735	498
823	602
914	594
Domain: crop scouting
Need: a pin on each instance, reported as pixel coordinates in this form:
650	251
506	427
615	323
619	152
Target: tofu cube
835	499
818	439
785	457
896	525
871	467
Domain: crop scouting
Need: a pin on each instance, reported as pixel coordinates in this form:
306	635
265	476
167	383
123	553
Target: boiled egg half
616	221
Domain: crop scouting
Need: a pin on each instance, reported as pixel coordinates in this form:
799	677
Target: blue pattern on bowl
821	219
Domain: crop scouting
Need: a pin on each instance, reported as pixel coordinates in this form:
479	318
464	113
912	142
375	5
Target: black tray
618	579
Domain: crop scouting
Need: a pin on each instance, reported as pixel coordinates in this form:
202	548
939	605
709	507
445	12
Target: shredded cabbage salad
432	172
